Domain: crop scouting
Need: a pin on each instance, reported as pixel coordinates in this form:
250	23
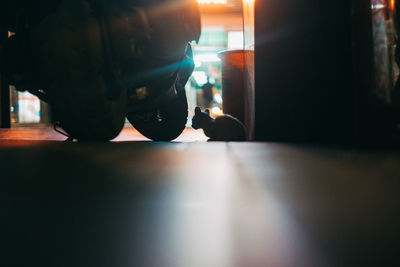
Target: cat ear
197	110
207	111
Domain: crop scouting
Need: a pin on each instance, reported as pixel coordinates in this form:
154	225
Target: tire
68	48
164	124
167	122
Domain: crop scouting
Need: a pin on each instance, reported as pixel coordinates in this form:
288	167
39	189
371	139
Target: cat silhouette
222	128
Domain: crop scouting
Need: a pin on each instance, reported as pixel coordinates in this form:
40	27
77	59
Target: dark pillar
308	69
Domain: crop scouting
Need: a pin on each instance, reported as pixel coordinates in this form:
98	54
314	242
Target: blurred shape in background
222	29
27	110
208	95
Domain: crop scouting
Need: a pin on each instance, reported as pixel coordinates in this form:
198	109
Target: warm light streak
392	4
209	2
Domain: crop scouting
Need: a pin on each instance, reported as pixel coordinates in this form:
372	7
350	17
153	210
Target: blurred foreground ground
214	204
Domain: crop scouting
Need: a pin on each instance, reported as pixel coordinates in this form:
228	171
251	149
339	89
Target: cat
222	128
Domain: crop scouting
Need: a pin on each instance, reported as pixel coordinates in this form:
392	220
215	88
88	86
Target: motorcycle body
97	62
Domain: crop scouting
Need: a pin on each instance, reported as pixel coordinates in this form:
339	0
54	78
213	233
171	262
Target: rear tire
68	49
165	123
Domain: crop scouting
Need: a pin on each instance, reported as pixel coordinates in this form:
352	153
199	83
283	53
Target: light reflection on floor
127	134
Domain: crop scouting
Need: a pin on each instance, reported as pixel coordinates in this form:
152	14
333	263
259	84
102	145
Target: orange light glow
10	33
210	2
216	111
392	4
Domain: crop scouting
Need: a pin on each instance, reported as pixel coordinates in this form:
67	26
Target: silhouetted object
396	89
97	62
207	93
222	128
313	87
168	120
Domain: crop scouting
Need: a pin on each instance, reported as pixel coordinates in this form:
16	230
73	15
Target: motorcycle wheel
165	123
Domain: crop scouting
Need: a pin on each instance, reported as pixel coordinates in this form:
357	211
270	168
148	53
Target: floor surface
46	133
195	204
